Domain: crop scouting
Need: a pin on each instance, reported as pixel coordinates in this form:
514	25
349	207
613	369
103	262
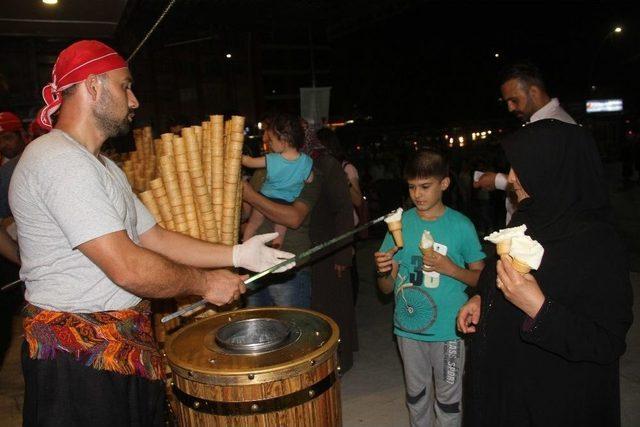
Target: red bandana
9	122
75	64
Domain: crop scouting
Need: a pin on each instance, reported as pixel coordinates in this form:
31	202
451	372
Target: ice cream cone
520	266
395	228
503	247
426	251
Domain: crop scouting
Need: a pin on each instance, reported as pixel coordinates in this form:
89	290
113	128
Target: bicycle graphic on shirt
416	310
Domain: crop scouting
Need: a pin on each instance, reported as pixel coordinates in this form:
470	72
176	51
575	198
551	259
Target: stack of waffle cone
184	182
166	145
198	132
174	194
206	218
162	201
150	202
232	174
206	153
395	228
217	167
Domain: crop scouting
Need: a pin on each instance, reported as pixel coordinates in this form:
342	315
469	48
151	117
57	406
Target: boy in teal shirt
425	310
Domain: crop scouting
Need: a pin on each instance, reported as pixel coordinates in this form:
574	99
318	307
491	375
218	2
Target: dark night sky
435	62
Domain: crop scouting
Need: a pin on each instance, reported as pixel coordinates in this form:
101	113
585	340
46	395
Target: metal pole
255	277
9	285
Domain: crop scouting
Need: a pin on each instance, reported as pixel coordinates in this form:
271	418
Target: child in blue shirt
287	170
424	317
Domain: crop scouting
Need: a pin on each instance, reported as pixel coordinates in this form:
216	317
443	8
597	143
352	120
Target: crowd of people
495	347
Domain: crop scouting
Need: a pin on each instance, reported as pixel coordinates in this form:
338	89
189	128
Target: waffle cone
520	266
503	247
426	251
191	215
395	228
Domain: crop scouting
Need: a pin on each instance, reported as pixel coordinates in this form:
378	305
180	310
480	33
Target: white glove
255	256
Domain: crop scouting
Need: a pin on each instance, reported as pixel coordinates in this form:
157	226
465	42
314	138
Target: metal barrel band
258	406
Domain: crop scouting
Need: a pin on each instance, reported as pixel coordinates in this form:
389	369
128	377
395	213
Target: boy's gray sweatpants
433	379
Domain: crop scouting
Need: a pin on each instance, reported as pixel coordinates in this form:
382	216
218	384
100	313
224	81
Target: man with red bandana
91	251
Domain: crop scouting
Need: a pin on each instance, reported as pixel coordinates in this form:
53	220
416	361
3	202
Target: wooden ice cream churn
257	367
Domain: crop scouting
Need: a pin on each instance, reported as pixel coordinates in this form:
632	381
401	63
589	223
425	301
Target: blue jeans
283	290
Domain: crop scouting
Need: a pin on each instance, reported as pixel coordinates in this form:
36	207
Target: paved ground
373	391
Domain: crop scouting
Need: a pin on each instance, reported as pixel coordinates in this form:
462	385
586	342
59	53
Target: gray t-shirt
61	196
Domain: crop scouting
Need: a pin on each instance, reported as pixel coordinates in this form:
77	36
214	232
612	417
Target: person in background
287	170
292	289
332	289
330	141
13	139
526	96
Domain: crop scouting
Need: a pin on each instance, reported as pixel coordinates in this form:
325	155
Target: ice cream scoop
502	238
526	254
394	222
426	243
426	246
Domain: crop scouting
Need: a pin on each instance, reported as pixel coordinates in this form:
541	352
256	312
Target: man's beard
103	112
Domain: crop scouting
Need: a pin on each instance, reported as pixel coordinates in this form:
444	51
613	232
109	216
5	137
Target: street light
616	30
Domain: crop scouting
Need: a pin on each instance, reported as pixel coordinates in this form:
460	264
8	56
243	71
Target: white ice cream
506	234
427	240
525	249
395	217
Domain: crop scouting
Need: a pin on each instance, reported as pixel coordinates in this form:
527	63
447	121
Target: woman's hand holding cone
521	290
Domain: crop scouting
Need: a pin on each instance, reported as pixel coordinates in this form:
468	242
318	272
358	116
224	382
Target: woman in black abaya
545	346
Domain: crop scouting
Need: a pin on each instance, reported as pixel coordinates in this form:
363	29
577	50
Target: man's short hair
427	163
526	72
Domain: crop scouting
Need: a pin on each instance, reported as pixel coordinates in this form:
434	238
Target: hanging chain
146	37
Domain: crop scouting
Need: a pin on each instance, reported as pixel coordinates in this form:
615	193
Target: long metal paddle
260	275
9	285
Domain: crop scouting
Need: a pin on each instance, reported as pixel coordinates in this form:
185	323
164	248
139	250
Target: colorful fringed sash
120	341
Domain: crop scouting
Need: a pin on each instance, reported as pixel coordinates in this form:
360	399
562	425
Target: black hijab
559	167
513	373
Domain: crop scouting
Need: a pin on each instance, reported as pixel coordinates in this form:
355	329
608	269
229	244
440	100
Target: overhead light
497	55
228	55
50	1
617	29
